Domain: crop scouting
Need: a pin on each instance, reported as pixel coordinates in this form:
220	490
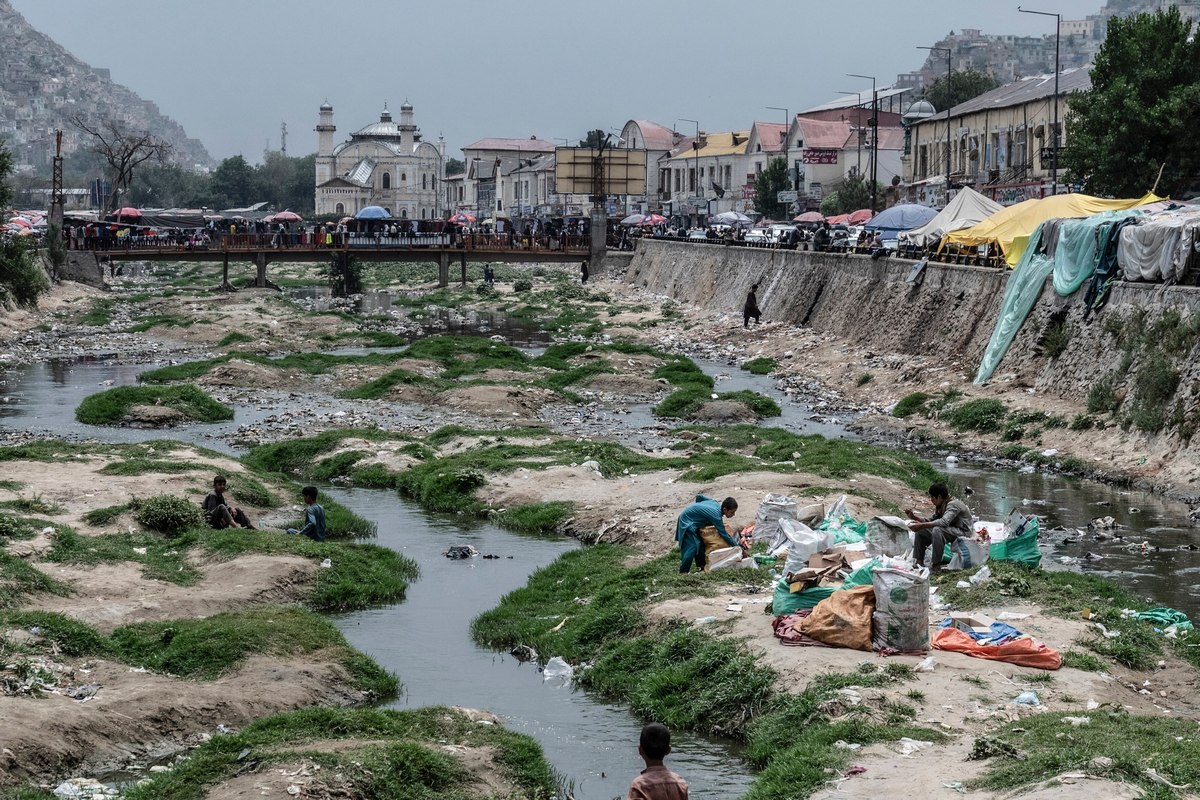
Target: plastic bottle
705	620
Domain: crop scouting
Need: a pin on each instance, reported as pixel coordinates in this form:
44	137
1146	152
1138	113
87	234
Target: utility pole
1054	140
857	129
283	138
56	185
873	123
696	166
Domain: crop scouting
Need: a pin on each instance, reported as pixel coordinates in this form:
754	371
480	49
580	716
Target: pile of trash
851	583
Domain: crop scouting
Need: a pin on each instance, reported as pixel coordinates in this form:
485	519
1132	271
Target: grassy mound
110	407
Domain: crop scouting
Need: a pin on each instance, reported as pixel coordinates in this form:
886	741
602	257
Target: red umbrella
132	213
462	218
653	219
840	219
861	216
286	216
21	221
809	216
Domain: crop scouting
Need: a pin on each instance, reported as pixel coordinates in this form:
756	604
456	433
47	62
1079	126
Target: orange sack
1023	652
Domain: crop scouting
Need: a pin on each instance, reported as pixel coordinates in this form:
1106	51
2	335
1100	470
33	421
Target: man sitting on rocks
219	512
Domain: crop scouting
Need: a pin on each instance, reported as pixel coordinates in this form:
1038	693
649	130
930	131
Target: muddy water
426	641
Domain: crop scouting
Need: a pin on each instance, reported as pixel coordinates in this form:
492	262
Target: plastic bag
901	610
557	668
888	536
967	553
983	576
728	557
802	542
773	509
1020	544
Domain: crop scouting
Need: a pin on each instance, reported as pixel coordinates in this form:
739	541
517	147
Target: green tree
964	85
1142	111
853	194
771	181
232	183
455	166
169	186
21	278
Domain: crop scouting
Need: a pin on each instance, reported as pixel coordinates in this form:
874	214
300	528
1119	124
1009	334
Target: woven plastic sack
888	536
901	611
967	553
843	619
772	509
1021	545
786	601
802	541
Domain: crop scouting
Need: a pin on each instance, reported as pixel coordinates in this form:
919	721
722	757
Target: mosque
384	164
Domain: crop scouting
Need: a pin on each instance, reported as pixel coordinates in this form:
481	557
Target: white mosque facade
384	164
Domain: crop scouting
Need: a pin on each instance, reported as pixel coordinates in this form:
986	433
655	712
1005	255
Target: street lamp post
873	123
949	78
696	151
787	123
857	130
1054	141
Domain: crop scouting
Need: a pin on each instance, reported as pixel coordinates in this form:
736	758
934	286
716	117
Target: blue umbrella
903	217
375	212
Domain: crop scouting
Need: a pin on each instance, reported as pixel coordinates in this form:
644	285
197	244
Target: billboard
624	171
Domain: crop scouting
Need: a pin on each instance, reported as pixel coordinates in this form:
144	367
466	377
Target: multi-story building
658	141
383	164
1001	142
481	158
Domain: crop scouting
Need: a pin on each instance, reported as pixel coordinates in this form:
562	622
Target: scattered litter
842	744
926	664
557	668
906	746
981	577
1107	633
1050	452
461	551
1153	775
1102	524
1092	705
560	625
855	770
524	653
82	693
47	531
705	620
951	459
1007	616
1027	699
956	786
1076	722
141	551
327	563
962	585
582	601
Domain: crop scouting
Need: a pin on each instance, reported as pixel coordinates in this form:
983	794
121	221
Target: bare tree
124	150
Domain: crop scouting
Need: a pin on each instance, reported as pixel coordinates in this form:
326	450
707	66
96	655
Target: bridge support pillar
444	269
599	243
463	253
225	285
260	279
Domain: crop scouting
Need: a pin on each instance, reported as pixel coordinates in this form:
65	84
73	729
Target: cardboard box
972	622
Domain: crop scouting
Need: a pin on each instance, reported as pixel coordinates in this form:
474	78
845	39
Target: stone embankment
1128	375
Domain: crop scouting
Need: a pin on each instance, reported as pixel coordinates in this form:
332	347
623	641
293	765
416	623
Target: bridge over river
266	248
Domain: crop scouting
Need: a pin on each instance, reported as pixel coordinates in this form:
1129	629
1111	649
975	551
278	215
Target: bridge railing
309	242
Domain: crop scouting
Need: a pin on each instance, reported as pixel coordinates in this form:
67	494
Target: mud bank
1131	368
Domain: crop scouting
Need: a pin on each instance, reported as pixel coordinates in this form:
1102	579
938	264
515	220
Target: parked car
759	236
697	235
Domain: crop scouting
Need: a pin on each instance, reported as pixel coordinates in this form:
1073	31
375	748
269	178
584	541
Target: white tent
967	209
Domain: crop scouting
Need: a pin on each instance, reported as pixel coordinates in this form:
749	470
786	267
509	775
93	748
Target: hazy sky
230	71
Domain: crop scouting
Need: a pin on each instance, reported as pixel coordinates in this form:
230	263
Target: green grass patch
33	505
910	404
402	755
143	465
984	415
294	457
864	379
382	386
161	559
1044	746
309	363
542	518
19	580
111	406
687	402
100	313
235	337
760	366
11	486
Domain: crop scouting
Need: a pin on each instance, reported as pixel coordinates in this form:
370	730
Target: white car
697	235
759	236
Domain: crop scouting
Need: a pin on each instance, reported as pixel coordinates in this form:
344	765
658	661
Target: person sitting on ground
951	519
703	512
219	512
656	782
314	517
750	310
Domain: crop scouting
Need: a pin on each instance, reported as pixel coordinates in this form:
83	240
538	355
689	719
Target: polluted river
425	640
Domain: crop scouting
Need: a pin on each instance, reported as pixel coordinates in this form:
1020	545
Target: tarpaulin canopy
1011	228
1068	250
968	208
904	217
1158	248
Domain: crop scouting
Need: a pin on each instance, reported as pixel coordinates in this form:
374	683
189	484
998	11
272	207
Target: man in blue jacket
700	514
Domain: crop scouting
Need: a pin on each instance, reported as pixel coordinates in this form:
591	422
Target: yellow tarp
1012	227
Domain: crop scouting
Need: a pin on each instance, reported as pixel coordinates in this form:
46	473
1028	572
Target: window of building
340	208
387	180
422	213
692	179
404	213
424	181
404	177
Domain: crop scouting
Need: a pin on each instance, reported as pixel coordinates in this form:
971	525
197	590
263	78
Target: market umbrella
730	218
653	219
809	216
286	216
373	212
633	219
21	222
860	216
903	217
127	213
839	219
462	218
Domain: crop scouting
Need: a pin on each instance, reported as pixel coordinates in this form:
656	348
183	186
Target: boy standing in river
656	782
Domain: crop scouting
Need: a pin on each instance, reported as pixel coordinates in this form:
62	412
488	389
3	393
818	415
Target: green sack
862	575
1021	547
789	602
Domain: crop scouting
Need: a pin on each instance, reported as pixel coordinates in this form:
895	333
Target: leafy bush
1055	338
1102	398
1156	383
168	514
111	406
983	415
760	366
522	285
910	404
21	276
865	378
1083	422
